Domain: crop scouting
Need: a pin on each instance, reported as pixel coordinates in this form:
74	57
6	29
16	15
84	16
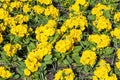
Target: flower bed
59	40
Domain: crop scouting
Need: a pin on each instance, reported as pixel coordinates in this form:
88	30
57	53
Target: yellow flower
1	38
118	53
51	24
94	78
3	13
19	30
102	70
43	32
30	29
118	64
47	2
15	4
98	10
51	11
66	74
9	21
5	6
27	72
38	9
104	63
88	57
101	40
7	1
112	77
117	17
75	34
24	0
11	49
102	23
76	22
64	45
45	48
4	73
63	29
58	75
116	33
81	2
75	8
26	8
93	48
2	27
20	18
69	73
32	63
36	55
8	74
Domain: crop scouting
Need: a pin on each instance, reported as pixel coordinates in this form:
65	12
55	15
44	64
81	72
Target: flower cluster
102	71
4	73
88	57
64	45
116	33
117	17
65	74
43	32
42	38
98	10
11	49
102	23
47	2
19	30
35	57
75	34
51	11
78	22
76	6
118	56
101	40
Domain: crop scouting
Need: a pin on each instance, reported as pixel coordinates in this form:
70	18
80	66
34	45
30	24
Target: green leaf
5	58
117	24
31	46
22	64
54	38
108	51
77	49
57	54
42	67
12	38
117	71
65	61
47	57
100	51
107	14
86	69
48	62
91	17
92	2
19	71
26	40
16	76
15	58
43	19
17	39
69	59
2	79
76	57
